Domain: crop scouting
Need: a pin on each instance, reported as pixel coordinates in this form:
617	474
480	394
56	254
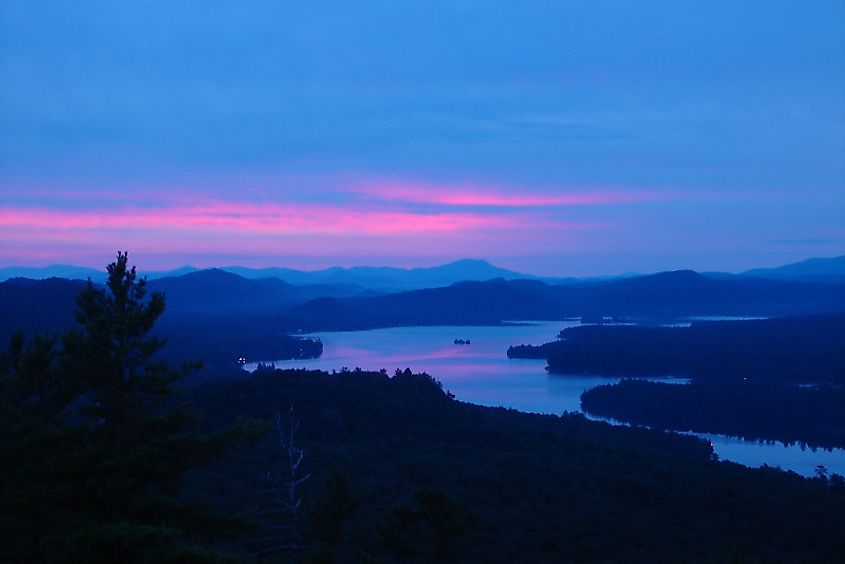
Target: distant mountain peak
210	273
684	275
470	262
821	269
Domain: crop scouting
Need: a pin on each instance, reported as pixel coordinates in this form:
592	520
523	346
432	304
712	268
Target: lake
481	373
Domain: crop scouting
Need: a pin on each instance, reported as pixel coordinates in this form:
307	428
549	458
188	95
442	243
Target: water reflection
481	373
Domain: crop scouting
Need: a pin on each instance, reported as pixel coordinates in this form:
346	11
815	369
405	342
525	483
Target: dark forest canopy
95	444
435	479
811	416
745	375
109	466
807	349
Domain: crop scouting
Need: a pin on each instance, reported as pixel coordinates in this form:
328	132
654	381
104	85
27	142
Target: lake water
481	373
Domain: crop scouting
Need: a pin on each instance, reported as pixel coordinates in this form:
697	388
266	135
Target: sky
557	138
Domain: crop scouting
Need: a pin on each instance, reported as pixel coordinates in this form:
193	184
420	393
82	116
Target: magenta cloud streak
252	218
336	216
494	196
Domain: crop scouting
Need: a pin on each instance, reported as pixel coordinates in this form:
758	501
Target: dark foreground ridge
429	478
105	463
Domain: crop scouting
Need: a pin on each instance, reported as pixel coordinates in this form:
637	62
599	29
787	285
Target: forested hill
377	278
402	473
669	294
108	466
37	305
213	315
218	291
830	269
805	349
813	416
280	307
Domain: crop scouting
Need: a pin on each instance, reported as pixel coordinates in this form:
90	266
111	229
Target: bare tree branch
285	500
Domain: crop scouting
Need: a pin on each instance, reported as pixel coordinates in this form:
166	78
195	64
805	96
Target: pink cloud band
254	218
489	196
343	217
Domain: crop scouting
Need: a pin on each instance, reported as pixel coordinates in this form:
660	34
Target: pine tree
96	443
111	354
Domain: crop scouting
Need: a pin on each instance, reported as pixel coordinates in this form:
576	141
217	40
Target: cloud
276	217
496	196
255	218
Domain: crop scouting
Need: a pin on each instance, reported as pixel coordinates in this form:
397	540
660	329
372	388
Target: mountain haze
388	278
379	278
663	295
815	269
393	279
327	306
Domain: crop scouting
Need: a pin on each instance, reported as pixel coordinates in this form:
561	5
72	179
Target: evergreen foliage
813	417
802	350
432	479
94	445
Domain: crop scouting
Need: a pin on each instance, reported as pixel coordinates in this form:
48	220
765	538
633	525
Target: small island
462	342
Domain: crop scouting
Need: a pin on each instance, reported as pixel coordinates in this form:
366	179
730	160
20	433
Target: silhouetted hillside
460	304
379	278
37	305
394	279
811	416
665	295
213	315
390	279
830	270
685	292
332	307
809	349
79	272
402	473
218	291
220	339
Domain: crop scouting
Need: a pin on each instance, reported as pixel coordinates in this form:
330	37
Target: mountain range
811	270
220	302
658	296
385	279
377	278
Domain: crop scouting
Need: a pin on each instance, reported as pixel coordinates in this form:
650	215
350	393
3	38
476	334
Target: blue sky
554	137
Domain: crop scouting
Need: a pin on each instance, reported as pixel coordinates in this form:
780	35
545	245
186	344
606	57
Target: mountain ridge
227	306
816	269
394	279
381	278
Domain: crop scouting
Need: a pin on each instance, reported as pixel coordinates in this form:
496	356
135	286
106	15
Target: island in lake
775	379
